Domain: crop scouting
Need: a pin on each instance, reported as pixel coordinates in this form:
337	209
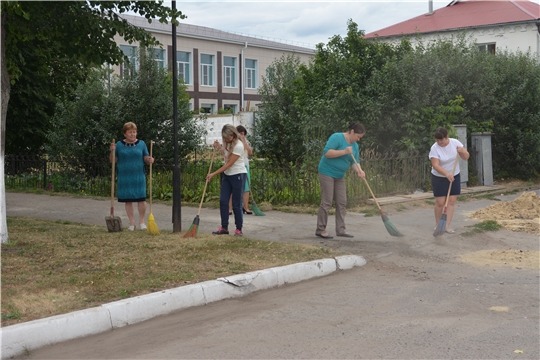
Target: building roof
206	33
462	14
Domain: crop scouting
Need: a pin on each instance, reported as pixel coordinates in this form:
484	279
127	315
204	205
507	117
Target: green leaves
84	125
401	94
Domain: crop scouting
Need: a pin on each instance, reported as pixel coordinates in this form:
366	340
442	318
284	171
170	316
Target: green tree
77	35
516	115
146	100
278	124
83	126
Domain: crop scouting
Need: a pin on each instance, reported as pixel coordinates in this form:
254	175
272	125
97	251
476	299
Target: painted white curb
17	339
347	262
133	310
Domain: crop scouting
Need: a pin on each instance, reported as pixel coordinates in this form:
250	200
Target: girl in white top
232	181
443	155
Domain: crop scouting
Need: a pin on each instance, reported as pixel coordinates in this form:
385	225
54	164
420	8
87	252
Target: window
229	71
207	108
127	68
230	108
251	74
207	70
158	55
183	61
487	47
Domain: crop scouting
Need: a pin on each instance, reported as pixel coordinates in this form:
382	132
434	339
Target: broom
192	231
152	226
387	223
254	206
441	227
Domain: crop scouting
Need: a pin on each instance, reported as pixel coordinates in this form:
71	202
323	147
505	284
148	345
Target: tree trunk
6	89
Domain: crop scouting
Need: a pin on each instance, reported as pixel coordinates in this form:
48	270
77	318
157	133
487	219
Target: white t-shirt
446	155
238	167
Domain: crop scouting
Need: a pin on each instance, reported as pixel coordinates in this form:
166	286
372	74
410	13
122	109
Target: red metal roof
461	14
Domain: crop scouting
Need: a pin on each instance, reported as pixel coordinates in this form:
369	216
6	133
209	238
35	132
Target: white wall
215	123
522	37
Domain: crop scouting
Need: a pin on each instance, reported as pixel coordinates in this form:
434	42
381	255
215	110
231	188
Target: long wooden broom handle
112	181
450	186
206	183
369	188
151	144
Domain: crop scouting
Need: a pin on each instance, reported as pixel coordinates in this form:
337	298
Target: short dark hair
357	128
440	133
241	128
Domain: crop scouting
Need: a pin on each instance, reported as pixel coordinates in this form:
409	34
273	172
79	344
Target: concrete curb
17	339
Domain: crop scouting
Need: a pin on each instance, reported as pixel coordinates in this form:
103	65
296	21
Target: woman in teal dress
131	154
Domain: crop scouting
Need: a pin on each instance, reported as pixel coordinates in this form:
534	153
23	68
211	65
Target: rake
192	231
387	223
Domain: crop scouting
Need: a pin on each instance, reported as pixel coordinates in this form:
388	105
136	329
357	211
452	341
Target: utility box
481	144
463	164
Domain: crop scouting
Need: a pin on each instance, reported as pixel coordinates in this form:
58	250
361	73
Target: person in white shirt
443	155
232	181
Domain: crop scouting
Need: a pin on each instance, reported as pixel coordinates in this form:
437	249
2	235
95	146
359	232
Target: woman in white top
232	181
442	155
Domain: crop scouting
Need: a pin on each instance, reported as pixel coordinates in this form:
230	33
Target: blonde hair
227	131
128	126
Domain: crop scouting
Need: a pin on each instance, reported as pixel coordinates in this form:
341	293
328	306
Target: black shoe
246	212
230	212
221	231
324	236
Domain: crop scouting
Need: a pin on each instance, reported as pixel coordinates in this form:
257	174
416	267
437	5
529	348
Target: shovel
114	223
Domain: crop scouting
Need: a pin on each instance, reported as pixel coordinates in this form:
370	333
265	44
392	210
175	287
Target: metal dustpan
114	223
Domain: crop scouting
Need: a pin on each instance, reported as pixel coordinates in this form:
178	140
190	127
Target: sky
300	22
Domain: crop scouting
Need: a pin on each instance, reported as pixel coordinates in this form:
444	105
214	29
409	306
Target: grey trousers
332	189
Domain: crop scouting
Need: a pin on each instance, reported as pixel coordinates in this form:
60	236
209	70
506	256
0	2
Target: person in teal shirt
335	162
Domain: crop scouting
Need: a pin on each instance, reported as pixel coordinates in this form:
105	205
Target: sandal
450	231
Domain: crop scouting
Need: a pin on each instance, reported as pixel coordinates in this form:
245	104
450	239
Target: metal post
484	167
176	209
461	131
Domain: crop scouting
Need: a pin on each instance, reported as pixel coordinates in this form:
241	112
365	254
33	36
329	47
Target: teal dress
131	173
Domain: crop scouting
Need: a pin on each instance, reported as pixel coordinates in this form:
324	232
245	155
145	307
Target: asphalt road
414	299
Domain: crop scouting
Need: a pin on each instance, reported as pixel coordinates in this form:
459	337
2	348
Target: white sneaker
131	228
142	227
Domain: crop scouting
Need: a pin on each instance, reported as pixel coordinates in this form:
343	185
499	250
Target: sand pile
521	214
521	259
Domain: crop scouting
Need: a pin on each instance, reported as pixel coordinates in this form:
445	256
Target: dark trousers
232	185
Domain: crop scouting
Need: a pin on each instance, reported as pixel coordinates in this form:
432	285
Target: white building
222	70
494	24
